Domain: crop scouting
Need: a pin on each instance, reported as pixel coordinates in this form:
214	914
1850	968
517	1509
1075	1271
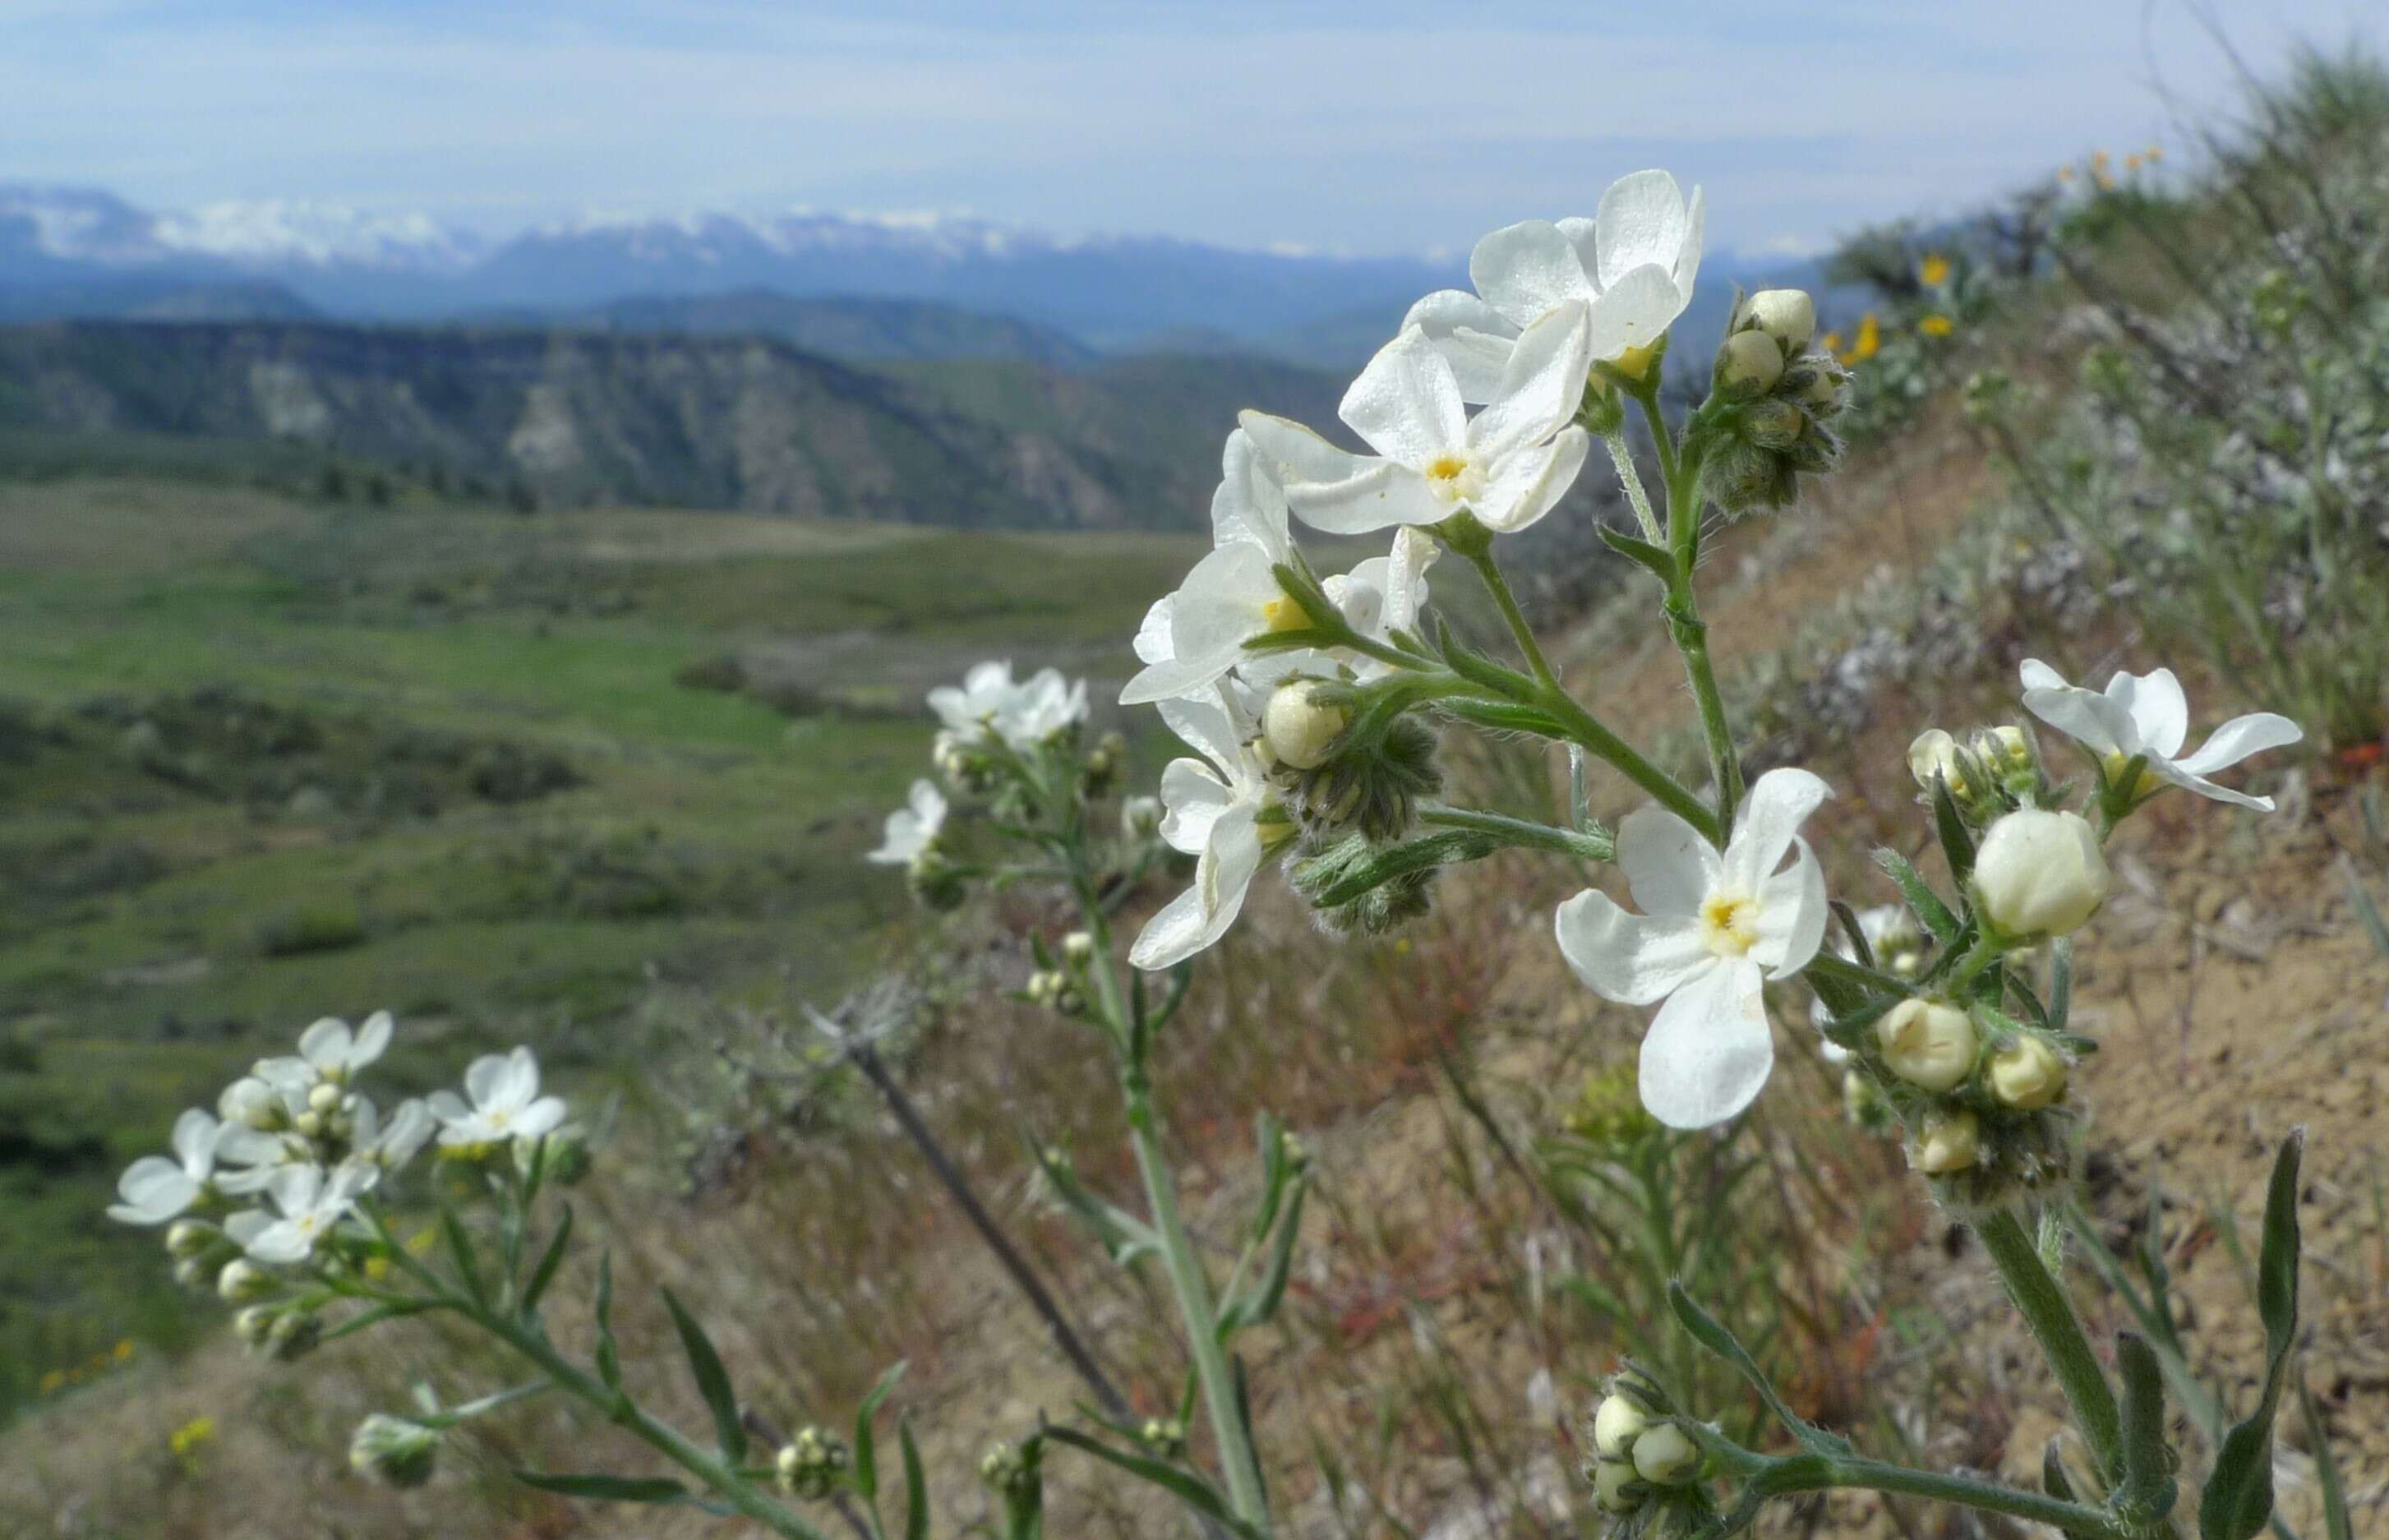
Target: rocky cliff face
728	422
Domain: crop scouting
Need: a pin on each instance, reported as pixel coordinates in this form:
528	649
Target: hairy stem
1819	1473
1592	845
1682	609
2045	1306
1621	455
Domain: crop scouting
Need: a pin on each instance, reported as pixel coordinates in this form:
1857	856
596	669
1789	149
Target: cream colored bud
190	1237
241	1281
1927	1044
1935	754
2004	748
310	1123
1078	949
2040	873
1787	315
1610	1479
1616	1423
1948	1141
1664	1455
324	1100
1823	389
1751	361
1300	728
2028	1074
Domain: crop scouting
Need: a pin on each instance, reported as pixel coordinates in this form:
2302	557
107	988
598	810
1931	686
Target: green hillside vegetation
504	774
855	327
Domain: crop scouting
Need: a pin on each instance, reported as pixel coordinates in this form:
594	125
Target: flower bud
1610	1479
1750	362
2028	1074
1300	728
1862	1102
808	1464
1787	315
193	1272
2040	873
310	1123
252	1324
324	1100
1927	1044
1164	1435
1077	948
1664	1456
393	1450
1933	756
190	1237
563	1156
1616	1423
294	1334
1948	1141
243	1280
1141	817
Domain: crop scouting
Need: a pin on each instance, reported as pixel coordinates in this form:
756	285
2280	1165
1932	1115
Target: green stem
718	1475
1621	456
1479	554
1195	1307
1592	845
1682	609
1819	1474
2045	1306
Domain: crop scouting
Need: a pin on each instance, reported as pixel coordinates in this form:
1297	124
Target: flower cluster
297	1133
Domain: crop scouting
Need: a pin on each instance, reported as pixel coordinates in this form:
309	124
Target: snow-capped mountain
71	244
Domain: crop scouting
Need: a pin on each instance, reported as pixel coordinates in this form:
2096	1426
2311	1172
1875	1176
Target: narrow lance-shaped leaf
1923	901
916	1485
2148	1489
608	1489
2237	1497
1711	1333
866	1462
1184	1485
1957	842
610	1355
553	1258
712	1380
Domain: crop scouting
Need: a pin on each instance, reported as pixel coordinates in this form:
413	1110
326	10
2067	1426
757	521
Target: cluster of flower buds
1970	1077
1775	393
811	1465
1101	769
1056	990
1165	1436
284	1332
1645	1469
1016	1473
395	1451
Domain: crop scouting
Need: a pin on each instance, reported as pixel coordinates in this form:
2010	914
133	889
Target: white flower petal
1194	797
1472	335
294	1189
2239	738
517	1085
482	1077
1530	483
1770	818
541	1119
1405	404
1152	633
1527	268
1791	914
1642	222
1250	504
373	1039
1633	312
1688	259
1379	496
447	1106
247	1226
281	1243
2160	712
154	1189
1542	387
1203	913
325	1045
1670	867
1203	721
1708	1052
1633	959
195	1141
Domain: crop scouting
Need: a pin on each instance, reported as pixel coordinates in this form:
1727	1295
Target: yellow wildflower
1830	342
124	1350
1936	325
422	1241
1870	340
376	1268
191	1434
1934	270
2131	162
54	1382
2099	160
2106	182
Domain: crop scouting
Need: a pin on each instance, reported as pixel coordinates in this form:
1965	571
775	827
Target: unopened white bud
252	1324
324	1100
1787	315
1300	728
1610	1479
1616	1423
190	1237
1751	361
1077	948
1935	756
394	1450
242	1280
2040	873
2028	1074
1664	1455
1141	817
1948	1141
1927	1044
310	1123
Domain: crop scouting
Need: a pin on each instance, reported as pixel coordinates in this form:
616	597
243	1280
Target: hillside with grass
600	780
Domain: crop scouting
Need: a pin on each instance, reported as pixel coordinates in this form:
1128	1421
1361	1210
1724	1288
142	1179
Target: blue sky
1387	127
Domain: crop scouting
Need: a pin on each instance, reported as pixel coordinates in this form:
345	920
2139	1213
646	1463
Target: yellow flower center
1635	363
2146	787
1282	614
1729	923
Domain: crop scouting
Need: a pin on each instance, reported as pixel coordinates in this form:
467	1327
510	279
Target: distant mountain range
569	417
80	252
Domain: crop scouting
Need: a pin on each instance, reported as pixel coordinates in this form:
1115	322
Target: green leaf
2061	980
2146	1489
2053	1479
610	1357
1184	1485
1956	841
2238	1493
1122	1235
866	1463
916	1485
1660	561
1257	1307
1854	933
1711	1333
375	1316
609	1489
712	1380
1923	901
460	1252
1272	1133
551	1259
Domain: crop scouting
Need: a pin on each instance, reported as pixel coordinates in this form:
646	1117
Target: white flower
310	1205
1041	708
505	1102
2147	716
1508	464
914	829
966	712
1022	715
1215	814
1632	265
391	1148
330	1054
155	1189
1715	928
